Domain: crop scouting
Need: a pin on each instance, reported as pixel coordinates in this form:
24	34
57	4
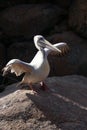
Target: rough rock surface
28	20
63	107
78	17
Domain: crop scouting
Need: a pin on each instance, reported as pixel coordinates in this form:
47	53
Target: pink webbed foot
43	86
26	86
32	89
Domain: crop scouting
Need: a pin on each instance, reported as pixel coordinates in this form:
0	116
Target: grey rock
29	19
64	106
78	17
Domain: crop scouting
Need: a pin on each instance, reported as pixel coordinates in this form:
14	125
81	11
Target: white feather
38	69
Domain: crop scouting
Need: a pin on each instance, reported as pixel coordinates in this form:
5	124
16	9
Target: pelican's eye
41	39
41	42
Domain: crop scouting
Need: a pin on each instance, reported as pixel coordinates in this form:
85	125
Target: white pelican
38	69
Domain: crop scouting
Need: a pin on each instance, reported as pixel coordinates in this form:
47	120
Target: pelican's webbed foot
23	86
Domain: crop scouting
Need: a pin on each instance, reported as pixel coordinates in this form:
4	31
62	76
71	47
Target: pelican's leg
20	84
32	89
43	86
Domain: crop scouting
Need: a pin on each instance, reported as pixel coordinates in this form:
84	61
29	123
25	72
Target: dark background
57	21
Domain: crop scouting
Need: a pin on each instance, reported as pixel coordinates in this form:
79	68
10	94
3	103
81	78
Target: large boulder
64	106
29	19
22	50
78	17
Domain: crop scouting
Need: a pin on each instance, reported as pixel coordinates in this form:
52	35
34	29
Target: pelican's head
41	43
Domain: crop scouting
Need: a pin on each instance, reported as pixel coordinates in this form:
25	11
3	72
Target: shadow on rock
64	105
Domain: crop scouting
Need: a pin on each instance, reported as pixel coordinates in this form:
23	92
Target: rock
9	3
78	17
64	106
74	61
2	86
22	50
2	55
63	4
59	28
2	63
29	19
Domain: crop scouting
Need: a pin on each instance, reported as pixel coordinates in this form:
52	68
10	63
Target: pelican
38	69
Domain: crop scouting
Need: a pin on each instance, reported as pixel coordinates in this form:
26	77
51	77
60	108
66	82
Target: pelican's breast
41	68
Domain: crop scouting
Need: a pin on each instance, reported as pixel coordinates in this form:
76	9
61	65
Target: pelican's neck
42	51
39	58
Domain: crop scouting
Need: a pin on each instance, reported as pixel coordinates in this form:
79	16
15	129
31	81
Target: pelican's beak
50	46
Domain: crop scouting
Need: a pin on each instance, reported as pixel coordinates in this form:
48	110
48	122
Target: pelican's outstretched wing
61	46
17	66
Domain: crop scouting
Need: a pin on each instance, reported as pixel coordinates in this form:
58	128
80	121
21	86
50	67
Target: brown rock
29	19
72	61
78	17
63	107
